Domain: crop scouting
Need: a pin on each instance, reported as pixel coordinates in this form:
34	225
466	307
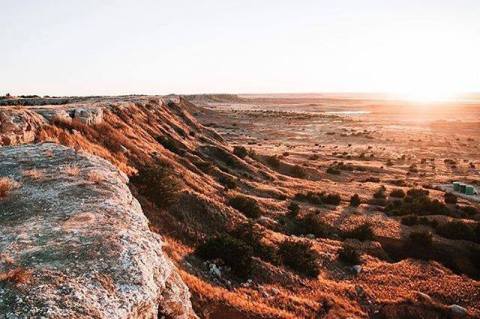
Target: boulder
74	246
457	310
18	126
89	116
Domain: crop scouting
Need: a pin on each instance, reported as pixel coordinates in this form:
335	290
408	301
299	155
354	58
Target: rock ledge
74	242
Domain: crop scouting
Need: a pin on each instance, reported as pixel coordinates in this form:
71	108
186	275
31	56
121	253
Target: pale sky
109	47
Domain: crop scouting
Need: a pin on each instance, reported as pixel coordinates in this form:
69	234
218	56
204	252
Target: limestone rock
89	116
18	126
458	310
357	269
74	246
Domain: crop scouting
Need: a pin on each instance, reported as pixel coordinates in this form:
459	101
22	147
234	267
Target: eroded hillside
255	235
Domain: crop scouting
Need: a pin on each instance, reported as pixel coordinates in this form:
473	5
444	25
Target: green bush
298	171
362	232
469	210
158	184
311	224
420	238
450	198
226	157
247	205
252	236
397	193
233	252
273	161
416	193
228	182
293	209
355	200
380	193
331	199
417	202
349	255
170	145
409	220
319	198
333	171
300	257
204	166
240	151
457	230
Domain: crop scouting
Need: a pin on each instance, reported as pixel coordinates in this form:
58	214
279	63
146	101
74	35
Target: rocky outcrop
18	126
75	243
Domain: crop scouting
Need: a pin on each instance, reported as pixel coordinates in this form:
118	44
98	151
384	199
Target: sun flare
425	96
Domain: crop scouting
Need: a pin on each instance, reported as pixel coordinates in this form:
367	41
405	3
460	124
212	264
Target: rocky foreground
75	243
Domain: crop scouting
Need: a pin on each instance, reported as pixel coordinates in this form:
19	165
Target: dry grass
95	177
72	170
106	282
221	296
17	276
7	185
33	174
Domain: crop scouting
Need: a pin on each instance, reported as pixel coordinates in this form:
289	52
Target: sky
110	47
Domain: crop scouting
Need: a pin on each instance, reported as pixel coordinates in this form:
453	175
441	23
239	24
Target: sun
426	95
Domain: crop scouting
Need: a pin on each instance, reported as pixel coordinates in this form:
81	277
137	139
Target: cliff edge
74	242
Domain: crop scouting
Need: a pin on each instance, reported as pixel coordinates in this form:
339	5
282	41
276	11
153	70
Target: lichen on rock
76	247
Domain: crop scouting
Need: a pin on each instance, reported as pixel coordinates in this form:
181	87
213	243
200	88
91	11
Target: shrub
233	252
158	184
299	256
204	166
349	255
170	145
311	224
380	193
252	236
416	193
319	198
362	232
469	210
425	221
273	161
247	205
332	170
397	193
355	200
372	179
420	238
240	151
413	168
298	171
293	209
450	198
226	157
456	230
227	181
417	202
331	199
409	220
